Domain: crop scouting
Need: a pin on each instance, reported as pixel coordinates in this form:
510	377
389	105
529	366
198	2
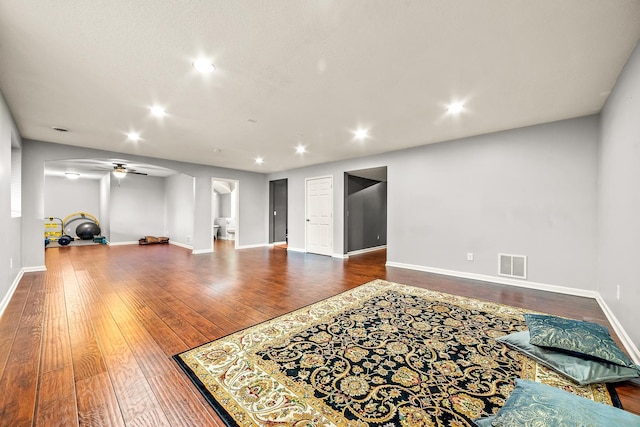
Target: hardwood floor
89	342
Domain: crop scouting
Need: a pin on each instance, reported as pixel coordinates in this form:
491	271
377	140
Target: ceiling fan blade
136	173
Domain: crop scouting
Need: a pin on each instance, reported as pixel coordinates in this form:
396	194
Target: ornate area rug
382	354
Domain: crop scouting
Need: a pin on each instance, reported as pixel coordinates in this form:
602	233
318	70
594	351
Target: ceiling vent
60	129
512	266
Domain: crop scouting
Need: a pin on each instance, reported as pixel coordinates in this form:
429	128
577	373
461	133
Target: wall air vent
512	266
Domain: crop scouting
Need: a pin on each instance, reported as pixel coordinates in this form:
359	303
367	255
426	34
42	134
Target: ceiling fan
120	170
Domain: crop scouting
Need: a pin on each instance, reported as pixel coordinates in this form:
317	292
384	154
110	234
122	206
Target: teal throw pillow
587	338
484	422
533	404
579	369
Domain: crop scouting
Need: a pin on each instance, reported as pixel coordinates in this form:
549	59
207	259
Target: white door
319	215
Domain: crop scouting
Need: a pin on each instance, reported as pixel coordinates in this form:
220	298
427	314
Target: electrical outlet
10	262
378	237
188	239
469	256
618	292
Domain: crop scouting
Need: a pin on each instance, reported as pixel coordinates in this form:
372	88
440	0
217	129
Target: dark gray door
278	211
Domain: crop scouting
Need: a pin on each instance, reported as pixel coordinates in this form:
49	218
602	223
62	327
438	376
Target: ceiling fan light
119	173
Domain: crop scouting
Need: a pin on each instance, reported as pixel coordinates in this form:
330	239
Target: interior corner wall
619	199
180	200
528	191
10	228
137	208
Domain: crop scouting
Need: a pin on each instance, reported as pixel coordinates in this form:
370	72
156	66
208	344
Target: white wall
105	203
179	205
10	228
529	191
137	208
619	199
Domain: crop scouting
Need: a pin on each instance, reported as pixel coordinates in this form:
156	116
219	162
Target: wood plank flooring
89	342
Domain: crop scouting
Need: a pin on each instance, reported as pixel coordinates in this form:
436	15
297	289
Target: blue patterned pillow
580	370
575	336
540	405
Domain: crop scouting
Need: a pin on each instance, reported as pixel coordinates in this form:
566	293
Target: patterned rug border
497	309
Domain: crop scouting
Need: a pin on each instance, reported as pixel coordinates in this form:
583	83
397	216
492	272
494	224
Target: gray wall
137	208
253	197
225	205
619	199
10	228
179	204
63	196
528	191
367	213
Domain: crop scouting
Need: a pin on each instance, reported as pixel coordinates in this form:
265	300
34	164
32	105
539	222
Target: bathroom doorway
278	220
225	208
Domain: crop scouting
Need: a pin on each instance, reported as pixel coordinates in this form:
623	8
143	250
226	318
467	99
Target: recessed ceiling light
216	150
259	160
133	136
157	111
301	149
72	175
60	129
361	134
455	107
203	65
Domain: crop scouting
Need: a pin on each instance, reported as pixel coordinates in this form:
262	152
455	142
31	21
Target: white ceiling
306	72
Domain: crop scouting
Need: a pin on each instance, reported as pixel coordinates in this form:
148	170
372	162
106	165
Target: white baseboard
290	249
340	256
9	295
627	342
257	245
132	242
500	280
16	281
277	243
202	251
182	245
34	269
365	250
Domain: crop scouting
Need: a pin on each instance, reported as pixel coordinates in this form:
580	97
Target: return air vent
512	266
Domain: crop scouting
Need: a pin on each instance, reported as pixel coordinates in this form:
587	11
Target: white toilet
231	229
231	234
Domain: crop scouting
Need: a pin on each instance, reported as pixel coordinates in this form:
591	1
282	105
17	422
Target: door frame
236	207
306	207
272	184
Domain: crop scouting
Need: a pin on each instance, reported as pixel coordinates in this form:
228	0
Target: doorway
319	215
365	210
278	220
225	211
